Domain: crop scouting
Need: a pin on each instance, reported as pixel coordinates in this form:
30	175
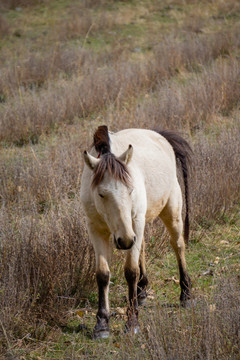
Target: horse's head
111	188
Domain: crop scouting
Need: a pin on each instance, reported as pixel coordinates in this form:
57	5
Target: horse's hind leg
172	218
143	280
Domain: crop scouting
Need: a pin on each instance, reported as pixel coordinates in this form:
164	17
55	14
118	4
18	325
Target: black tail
183	152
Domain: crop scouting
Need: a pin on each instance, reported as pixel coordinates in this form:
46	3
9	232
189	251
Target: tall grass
207	331
47	263
12	4
217	89
170	57
4	27
215	182
85	23
37	70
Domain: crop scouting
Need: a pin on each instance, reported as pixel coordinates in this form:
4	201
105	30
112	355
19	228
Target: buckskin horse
130	178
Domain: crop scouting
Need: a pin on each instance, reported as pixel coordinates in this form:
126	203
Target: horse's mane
101	140
108	161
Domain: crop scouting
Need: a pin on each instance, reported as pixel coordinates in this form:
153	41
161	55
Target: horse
129	179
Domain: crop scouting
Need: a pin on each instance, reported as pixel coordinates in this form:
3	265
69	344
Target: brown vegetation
215	90
215	180
38	70
12	4
47	260
4	27
194	51
84	23
208	331
32	113
170	57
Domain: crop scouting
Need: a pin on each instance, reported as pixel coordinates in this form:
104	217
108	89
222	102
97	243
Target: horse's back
151	151
153	166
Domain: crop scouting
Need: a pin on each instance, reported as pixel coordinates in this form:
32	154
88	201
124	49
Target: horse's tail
182	152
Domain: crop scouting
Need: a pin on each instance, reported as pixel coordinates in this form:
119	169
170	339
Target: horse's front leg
143	280
102	248
132	276
132	272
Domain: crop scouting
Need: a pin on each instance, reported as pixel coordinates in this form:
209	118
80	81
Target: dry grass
4	27
42	179
228	8
95	3
170	57
190	106
47	266
12	4
84	23
215	182
34	112
47	260
37	70
207	331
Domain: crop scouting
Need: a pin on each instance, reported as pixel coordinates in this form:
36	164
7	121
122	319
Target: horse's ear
90	160
127	155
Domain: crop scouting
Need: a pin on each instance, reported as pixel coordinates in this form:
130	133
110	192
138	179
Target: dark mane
116	168
101	140
108	161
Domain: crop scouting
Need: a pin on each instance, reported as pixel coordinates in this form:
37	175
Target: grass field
67	66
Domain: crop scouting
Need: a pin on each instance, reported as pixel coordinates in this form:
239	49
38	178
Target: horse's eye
101	195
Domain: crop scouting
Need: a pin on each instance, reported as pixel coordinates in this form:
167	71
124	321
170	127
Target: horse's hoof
134	330
142	297
104	334
187	303
142	301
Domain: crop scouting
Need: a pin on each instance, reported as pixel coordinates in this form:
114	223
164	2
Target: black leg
143	281
132	312
142	285
185	284
101	329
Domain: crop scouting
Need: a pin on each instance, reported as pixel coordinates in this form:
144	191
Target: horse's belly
154	208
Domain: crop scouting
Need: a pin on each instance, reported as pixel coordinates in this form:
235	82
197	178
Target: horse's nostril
120	243
134	239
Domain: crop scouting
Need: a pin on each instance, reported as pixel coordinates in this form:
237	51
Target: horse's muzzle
123	245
